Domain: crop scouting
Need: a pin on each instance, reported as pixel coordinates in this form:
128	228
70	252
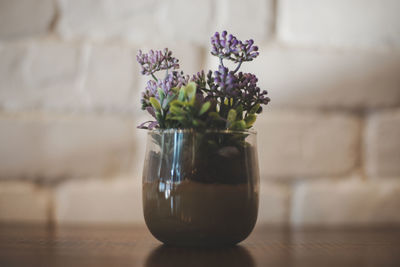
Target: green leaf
182	94
231	116
250	119
161	94
159	116
198	123
177	103
167	101
214	115
156	105
191	90
238	125
176	110
175	90
204	108
254	109
239	111
171	97
176	118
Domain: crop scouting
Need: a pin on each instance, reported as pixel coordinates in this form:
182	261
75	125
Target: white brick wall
355	23
136	21
108	19
22	201
21	19
274	203
188	20
301	144
51	76
351	201
12	69
382	144
325	78
99	201
67	76
39	75
110	69
69	104
47	148
254	20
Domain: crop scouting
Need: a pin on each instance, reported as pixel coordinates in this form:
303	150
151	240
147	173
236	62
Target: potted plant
201	177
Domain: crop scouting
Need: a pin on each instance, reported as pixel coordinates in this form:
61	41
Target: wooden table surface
33	245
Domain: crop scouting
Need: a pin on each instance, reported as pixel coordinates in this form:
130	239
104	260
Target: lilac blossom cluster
229	47
250	92
156	60
151	63
226	81
242	87
173	79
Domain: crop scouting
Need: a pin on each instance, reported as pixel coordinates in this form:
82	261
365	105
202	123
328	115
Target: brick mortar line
362	147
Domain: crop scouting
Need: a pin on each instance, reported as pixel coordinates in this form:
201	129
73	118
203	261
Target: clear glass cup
201	188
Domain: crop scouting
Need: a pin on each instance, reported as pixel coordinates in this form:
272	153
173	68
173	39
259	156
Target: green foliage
250	120
182	109
204	108
236	120
156	105
185	111
231	118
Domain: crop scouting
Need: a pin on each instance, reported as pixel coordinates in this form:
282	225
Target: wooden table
33	245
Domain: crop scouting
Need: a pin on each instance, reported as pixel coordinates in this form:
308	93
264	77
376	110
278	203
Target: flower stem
238	67
221	62
166	74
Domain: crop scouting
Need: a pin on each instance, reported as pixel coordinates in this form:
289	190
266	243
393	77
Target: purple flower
148	125
226	81
156	60
251	94
174	79
199	77
242	87
229	47
149	91
200	80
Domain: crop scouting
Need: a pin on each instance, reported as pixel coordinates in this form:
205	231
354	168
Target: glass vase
200	188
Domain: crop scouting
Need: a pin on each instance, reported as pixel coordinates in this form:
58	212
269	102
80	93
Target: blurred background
329	142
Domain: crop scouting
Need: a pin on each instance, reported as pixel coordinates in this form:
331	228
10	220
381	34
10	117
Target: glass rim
191	130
